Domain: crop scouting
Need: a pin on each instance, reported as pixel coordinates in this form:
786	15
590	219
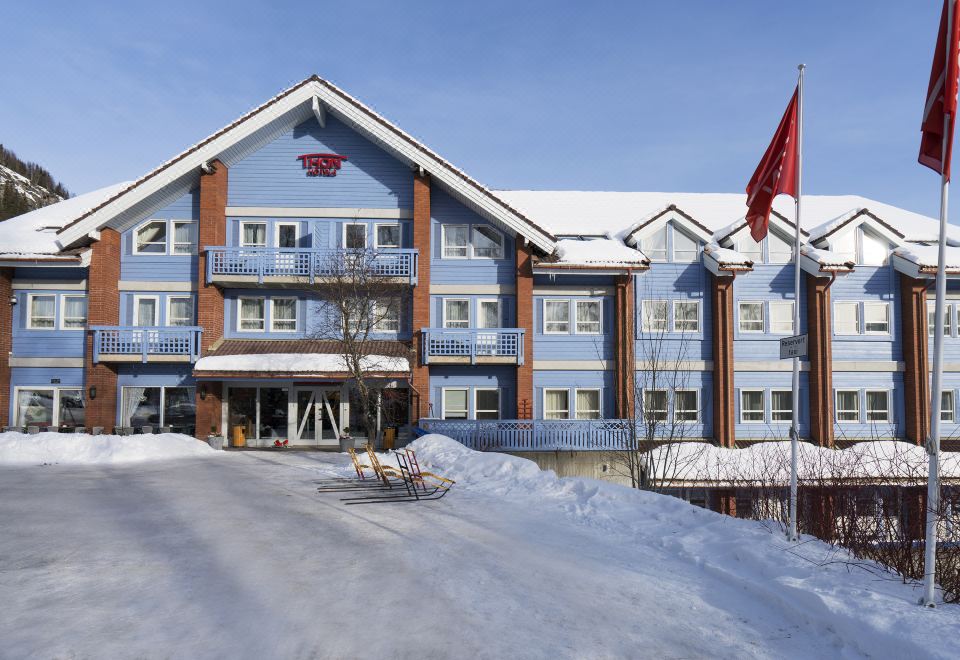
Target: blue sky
661	96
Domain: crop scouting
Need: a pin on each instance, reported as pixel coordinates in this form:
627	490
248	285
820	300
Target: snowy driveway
238	556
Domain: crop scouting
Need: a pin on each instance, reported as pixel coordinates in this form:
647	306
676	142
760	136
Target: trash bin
239	436
215	441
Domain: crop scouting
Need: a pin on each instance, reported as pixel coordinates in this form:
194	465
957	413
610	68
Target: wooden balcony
237	266
146	344
472	346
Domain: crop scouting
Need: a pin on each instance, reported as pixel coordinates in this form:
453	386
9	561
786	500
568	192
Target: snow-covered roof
826	260
298	363
597	252
34	234
719	259
926	258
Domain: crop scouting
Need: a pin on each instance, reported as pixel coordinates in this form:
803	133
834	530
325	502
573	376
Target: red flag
776	173
941	95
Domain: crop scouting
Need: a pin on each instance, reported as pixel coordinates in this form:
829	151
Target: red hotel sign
321	164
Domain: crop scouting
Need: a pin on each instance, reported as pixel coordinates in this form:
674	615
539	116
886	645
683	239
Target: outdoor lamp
203	392
93	392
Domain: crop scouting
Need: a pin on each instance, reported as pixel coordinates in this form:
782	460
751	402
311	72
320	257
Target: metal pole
792	534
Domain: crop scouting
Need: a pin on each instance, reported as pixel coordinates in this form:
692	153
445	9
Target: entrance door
318	415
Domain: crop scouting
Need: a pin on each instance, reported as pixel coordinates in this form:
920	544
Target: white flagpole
794	433
933	441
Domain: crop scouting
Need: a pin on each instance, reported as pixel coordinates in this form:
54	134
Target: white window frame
576	407
443	305
837	305
570	404
576	323
276	233
495	301
266	233
745	249
56	389
472	243
666	403
781	303
63	311
30	297
240	327
696	409
650	251
773	411
366	235
763	405
273	315
476	407
674	311
137	297
866	411
443	242
836	405
163	399
556	332
763	317
443	401
948	321
169	306
673	250
643	315
166	241
769	252
952	410
886	307
378	304
376	235
172	233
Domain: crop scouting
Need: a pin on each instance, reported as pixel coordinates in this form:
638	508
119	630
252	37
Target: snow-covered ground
70	448
239	556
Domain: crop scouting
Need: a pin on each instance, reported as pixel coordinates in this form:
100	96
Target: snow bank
84	449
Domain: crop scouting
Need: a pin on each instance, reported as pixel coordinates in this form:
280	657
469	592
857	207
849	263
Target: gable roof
315	96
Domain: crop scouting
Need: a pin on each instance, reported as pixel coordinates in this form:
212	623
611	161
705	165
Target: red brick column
625	363
209	409
6	342
916	377
820	341
103	308
421	296
724	500
721	295
212	232
525	320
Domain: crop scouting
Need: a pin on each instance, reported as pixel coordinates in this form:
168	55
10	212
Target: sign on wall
321	164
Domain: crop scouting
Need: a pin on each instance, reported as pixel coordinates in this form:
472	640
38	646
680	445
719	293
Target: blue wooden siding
767	283
670	282
168	267
768	381
572	380
701	382
444	209
573	346
869	284
481	376
273	176
44	343
845	380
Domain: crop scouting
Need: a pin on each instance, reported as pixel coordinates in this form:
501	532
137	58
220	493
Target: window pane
181	311
781	318
287	236
273	412
751	249
179	408
556	404
686	316
455	240
152	238
457	313
781	406
183	237
356	237
242	410
946	406
141	406
487	242
386	315
751	317
874	250
455	404
146	312
931	318
684	247
71	408
877	408
685	406
284	314
35	407
588	317
751	406
845	246
388	236
876	317
848	406
846	318
655	245
588	404
254	234
556	315
251	313
43	311
779	251
654	315
488	404
74	311
655	405
489	314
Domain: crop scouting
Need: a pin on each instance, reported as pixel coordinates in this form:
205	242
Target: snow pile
301	363
928	256
826	258
602	251
726	257
85	449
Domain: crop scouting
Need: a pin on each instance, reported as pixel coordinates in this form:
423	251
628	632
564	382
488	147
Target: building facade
198	298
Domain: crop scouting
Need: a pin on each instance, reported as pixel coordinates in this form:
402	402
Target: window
455	404
845	246
488	313
654	315
946	406
487	242
354	236
159	406
253	234
179	310
146	311
151	238
49	406
288	234
556	404
781	405
947	318
751	317
876	318
41	311
588	404
183	237
486	403
387	236
655	405
751	406
456	313
846	318
556	316
781	318
686	316
455	241
386	315
751	249
283	314
874	250
588	317
252	314
848	406
779	251
73	312
655	245
684	248
878	405
685	408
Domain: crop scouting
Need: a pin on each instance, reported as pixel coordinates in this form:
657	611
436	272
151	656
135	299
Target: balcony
146	344
297	266
537	434
472	346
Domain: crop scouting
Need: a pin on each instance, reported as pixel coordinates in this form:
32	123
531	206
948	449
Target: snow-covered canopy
926	257
598	252
826	260
725	259
298	363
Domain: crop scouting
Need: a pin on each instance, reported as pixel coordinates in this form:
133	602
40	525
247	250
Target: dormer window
779	251
751	249
685	249
874	250
861	246
151	238
655	245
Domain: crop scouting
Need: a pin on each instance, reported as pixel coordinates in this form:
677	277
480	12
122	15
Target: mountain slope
25	186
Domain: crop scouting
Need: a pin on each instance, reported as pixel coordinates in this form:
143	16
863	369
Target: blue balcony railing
123	342
472	343
536	434
308	263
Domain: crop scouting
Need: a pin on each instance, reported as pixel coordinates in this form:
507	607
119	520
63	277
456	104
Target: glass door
306	416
